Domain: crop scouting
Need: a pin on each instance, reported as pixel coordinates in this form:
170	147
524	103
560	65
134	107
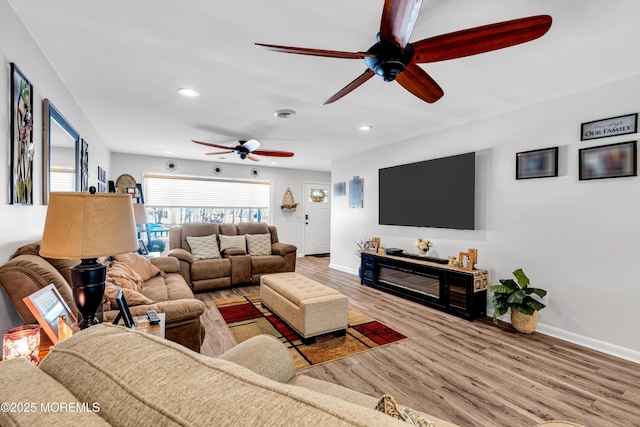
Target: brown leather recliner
237	266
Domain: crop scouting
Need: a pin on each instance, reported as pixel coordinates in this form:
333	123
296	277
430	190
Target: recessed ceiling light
191	93
365	127
169	152
284	114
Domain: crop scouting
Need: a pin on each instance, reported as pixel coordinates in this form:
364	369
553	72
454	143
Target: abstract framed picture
537	163
340	189
22	147
608	161
84	166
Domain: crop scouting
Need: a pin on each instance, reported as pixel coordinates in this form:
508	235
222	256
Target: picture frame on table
474	255
608	161
124	313
142	248
465	261
537	163
52	313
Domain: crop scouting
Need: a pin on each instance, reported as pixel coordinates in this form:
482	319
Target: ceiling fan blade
273	153
398	19
251	144
480	39
418	82
253	157
313	52
208	144
351	86
219	152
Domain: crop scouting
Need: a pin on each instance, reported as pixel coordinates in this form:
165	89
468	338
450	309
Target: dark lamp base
88	284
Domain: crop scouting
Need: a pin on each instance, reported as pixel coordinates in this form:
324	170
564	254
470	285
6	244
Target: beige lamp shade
84	225
140	214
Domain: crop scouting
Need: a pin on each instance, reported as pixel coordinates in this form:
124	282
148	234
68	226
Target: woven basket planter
523	322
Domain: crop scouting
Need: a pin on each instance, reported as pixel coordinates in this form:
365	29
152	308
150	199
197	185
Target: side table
143	325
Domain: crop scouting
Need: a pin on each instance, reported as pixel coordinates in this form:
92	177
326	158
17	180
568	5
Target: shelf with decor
428	281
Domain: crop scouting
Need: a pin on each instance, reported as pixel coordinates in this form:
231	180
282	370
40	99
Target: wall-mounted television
436	193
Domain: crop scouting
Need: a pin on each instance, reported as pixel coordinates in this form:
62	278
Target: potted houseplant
519	297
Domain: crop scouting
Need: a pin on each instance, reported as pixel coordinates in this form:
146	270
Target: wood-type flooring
469	373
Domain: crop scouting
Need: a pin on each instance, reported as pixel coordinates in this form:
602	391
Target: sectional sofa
214	256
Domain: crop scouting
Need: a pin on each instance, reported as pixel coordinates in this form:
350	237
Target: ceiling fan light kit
394	58
246	150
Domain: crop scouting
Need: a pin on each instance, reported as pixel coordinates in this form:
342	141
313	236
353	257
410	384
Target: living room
574	238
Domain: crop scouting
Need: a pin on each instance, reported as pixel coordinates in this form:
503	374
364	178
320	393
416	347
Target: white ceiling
124	61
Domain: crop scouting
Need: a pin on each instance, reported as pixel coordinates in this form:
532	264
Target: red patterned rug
246	317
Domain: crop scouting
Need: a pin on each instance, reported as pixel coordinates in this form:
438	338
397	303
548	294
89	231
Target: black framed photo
537	163
22	145
608	161
125	314
613	126
142	248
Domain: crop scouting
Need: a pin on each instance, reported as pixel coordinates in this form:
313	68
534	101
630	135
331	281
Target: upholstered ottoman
309	307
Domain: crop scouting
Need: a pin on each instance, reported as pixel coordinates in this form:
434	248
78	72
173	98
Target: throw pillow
139	264
233	242
388	405
205	247
259	244
121	275
132	297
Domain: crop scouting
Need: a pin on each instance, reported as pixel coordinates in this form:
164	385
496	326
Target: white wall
576	239
23	224
290	225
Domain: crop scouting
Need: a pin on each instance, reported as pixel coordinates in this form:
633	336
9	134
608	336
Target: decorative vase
523	322
423	252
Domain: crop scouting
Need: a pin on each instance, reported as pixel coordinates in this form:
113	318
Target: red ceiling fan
394	58
246	149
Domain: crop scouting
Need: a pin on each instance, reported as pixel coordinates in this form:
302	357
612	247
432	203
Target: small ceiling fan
246	149
394	58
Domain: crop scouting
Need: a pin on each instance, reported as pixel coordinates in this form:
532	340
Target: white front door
317	218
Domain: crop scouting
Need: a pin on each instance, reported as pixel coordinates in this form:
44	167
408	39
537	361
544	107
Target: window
62	179
172	200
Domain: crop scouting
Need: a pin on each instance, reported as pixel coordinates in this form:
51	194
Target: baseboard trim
581	340
344	269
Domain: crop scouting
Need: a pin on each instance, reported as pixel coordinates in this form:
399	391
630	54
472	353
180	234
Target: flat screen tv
436	193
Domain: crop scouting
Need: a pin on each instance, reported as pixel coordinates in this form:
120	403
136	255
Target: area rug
246	318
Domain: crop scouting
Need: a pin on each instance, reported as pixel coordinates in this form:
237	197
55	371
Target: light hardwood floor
469	373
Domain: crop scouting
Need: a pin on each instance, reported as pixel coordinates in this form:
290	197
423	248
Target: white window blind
62	180
205	193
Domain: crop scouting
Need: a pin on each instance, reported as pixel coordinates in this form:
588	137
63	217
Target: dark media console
428	281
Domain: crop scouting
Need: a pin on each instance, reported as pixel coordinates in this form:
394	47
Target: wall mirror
61	153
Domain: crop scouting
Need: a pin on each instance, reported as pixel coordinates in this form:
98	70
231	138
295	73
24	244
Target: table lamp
88	226
141	218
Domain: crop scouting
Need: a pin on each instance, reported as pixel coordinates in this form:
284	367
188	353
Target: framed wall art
621	125
84	166
608	161
356	193
22	147
340	189
537	163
